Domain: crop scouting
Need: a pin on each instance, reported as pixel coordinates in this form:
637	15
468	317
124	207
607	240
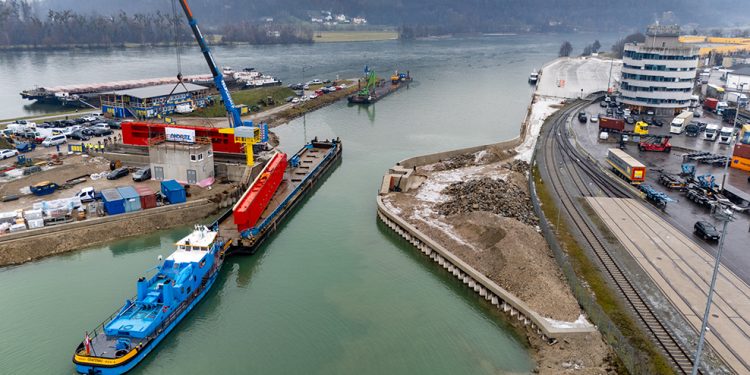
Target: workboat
180	281
534	77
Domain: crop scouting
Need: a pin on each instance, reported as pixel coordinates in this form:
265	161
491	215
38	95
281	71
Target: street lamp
723	214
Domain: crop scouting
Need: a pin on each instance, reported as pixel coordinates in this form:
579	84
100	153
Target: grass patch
605	297
247	97
353	36
311	105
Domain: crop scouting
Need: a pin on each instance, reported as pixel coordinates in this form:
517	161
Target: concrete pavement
682	270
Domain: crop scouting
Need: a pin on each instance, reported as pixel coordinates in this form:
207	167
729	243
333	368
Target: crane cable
179	59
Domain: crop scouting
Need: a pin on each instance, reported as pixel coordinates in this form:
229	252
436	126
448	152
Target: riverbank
354	36
476	202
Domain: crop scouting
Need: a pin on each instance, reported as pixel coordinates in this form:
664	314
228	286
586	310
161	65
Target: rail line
561	157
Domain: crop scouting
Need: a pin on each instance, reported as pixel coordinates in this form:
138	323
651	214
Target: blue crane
244	132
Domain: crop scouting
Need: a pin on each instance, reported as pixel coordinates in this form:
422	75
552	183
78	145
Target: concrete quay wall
482	285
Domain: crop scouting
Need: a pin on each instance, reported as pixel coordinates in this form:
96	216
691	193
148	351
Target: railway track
561	158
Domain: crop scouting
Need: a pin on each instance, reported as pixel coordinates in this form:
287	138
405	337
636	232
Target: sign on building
180	135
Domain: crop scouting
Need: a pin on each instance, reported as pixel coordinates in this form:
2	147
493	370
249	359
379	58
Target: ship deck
309	160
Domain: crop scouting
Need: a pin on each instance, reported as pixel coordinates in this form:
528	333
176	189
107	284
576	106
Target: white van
55	140
725	134
712	132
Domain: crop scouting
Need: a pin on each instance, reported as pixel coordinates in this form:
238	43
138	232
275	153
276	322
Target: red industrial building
139	133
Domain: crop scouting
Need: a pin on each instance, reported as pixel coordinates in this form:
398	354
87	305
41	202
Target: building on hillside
658	75
154	101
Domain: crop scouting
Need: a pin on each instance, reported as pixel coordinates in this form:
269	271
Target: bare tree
565	49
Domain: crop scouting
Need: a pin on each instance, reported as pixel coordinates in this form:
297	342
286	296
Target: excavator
365	95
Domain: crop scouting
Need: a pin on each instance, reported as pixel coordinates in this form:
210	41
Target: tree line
20	26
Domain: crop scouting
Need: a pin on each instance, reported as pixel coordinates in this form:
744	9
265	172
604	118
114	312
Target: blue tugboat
180	282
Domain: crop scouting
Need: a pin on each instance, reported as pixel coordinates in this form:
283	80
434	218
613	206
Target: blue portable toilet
113	202
131	197
174	192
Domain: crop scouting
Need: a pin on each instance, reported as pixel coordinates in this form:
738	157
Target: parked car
79	135
316	81
89	118
114	124
594	118
289	99
8	153
658	122
101	125
142	174
54	140
603	104
630	120
87	194
295	100
706	230
117	173
582	117
99	132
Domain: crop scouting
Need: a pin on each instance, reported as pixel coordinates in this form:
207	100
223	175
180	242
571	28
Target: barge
185	277
301	173
380	89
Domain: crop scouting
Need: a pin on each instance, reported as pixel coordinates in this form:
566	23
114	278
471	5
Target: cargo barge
380	89
185	277
303	171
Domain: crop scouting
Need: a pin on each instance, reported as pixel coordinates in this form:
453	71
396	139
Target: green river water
334	291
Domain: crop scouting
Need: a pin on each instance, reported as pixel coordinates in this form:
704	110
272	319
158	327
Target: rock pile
455	162
487	194
520	166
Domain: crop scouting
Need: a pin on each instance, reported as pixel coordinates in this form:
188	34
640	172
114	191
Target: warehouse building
658	75
154	101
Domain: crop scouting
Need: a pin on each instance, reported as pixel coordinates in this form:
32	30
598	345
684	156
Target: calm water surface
334	292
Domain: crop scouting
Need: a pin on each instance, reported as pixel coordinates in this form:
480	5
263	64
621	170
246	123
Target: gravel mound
490	195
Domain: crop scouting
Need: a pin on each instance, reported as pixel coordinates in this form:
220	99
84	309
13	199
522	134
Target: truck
626	166
641	128
607	124
725	134
735	98
712	132
678	123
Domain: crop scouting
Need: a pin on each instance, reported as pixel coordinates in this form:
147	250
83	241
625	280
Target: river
334	292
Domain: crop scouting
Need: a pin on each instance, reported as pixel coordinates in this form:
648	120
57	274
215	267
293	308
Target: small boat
534	77
162	301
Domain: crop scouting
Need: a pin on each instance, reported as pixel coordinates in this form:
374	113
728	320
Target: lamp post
723	214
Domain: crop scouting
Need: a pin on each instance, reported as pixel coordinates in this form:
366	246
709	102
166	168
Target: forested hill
460	16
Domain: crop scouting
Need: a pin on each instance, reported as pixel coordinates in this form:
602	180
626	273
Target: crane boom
234	113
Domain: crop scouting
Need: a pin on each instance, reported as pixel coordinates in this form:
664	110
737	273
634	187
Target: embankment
21	247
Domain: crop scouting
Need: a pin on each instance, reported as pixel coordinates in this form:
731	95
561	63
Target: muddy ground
478	207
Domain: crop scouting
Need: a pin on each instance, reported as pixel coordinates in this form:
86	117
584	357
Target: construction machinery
244	132
658	143
658	198
370	81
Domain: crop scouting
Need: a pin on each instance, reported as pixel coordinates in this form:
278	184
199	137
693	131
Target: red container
710	104
138	134
248	209
611	123
148	197
742	151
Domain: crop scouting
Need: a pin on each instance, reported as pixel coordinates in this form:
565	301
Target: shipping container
741	150
147	196
611	124
173	191
131	197
113	202
626	166
251	205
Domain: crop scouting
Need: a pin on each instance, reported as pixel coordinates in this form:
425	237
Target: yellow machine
641	128
248	135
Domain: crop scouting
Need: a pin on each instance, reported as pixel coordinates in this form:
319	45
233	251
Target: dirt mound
516	257
487	194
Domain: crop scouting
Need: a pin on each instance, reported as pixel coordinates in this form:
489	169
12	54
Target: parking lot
681	212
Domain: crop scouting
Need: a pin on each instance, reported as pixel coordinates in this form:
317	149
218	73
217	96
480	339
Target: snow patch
540	110
426	215
581	322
